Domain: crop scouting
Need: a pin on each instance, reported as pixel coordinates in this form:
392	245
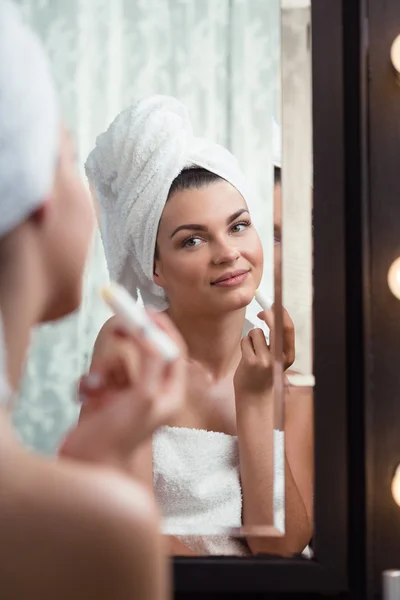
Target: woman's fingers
247	349
131	359
259	343
148	362
146	400
268	317
117	368
288	333
289	350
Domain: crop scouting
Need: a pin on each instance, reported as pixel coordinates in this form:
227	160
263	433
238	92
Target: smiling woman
209	256
215	465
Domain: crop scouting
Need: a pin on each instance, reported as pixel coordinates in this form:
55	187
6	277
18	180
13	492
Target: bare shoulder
103	334
107	325
87	533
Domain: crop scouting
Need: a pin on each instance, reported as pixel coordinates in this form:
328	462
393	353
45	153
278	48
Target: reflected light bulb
395	54
396	486
394	278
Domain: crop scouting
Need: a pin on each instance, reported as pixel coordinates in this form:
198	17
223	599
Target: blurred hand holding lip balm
135	317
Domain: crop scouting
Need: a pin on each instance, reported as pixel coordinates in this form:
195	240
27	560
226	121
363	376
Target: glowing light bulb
395	54
396	486
394	278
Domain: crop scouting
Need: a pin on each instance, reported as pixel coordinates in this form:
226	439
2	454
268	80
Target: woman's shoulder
78	521
101	345
106	328
92	492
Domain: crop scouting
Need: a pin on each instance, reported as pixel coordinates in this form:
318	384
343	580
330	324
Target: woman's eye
238	227
191	242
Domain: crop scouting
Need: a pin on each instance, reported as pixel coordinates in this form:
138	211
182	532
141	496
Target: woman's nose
225	253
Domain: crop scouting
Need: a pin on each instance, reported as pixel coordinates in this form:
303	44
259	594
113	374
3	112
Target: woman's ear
157	276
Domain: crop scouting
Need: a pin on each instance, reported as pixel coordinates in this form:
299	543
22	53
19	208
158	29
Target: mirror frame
382	415
339	517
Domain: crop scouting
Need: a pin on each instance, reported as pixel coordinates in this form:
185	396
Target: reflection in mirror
192	198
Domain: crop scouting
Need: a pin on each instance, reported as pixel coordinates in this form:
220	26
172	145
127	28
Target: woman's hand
129	393
254	375
288	334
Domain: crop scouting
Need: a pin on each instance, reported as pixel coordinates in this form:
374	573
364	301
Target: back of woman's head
29	121
39	184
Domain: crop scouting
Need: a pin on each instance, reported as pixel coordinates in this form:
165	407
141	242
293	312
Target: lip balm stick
135	317
263	301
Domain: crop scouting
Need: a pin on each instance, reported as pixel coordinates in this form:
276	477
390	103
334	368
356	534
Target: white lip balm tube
122	303
264	302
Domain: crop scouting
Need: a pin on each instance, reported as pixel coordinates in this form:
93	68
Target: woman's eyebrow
198	227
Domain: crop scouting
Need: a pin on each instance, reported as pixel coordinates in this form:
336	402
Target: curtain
221	58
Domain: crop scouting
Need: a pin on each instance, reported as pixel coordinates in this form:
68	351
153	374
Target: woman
68	531
177	227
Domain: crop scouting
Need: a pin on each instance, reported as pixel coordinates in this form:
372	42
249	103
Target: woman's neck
17	319
17	316
213	341
7	434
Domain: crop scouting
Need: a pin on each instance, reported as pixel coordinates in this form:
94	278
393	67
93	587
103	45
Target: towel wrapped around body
197	485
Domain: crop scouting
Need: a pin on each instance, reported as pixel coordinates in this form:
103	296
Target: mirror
242	70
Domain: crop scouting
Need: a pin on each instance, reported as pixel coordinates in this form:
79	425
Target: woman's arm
299	443
253	384
255	437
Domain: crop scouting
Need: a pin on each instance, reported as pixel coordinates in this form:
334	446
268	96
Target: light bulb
395	54
394	278
396	486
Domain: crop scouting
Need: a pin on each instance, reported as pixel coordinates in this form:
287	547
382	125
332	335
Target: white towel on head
29	128
131	170
29	131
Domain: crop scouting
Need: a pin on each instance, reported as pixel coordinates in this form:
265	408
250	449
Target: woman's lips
232	280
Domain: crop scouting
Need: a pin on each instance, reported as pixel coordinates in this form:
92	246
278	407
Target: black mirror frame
339	542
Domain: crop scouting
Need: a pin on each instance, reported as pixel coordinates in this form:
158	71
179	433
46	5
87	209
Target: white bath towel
29	132
197	484
131	170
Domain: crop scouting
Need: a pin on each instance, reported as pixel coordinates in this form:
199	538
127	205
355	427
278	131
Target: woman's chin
237	299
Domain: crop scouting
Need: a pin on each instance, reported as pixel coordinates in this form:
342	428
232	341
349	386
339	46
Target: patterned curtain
221	58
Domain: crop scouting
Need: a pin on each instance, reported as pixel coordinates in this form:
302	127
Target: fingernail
92	381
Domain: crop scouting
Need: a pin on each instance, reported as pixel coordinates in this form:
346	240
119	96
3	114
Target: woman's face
210	257
67	235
